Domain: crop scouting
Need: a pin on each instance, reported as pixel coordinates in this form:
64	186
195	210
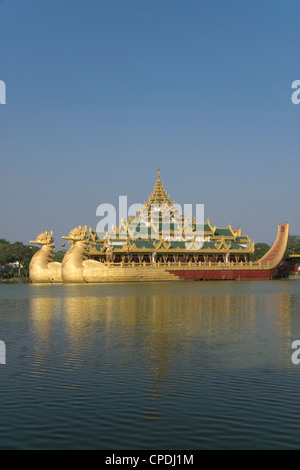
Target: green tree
6	256
15	259
260	250
59	256
293	247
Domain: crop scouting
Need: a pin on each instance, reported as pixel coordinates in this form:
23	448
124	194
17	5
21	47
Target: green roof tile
223	232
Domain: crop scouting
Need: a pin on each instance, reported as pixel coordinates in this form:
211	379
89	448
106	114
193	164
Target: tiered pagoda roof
159	196
143	233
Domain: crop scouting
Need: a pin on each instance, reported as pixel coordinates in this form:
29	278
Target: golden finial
159	196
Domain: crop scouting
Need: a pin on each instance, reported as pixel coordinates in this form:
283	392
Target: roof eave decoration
161	244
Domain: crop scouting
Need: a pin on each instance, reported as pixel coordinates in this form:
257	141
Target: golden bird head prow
45	238
77	234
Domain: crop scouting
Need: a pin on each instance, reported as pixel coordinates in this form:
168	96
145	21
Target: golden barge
144	248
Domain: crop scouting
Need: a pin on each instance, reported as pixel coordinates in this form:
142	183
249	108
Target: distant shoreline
15	281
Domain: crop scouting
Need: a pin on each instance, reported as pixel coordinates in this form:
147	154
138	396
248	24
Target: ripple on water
185	366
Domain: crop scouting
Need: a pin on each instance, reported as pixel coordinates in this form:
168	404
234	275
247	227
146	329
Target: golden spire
159	195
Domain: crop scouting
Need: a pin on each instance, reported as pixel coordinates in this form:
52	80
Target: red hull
225	275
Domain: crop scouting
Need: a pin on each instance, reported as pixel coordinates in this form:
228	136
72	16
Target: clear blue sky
102	92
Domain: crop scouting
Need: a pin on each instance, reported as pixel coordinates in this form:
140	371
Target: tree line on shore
15	257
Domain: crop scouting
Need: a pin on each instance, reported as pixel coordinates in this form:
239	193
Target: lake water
202	365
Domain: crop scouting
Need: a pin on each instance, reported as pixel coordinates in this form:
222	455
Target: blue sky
102	92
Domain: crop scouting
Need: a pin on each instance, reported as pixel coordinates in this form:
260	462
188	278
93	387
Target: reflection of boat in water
156	323
159	244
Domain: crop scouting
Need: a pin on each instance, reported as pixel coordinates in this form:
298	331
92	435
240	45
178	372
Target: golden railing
187	265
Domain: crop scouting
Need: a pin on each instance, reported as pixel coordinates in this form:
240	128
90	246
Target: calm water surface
150	366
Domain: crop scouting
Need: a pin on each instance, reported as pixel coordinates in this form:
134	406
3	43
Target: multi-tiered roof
159	196
158	226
